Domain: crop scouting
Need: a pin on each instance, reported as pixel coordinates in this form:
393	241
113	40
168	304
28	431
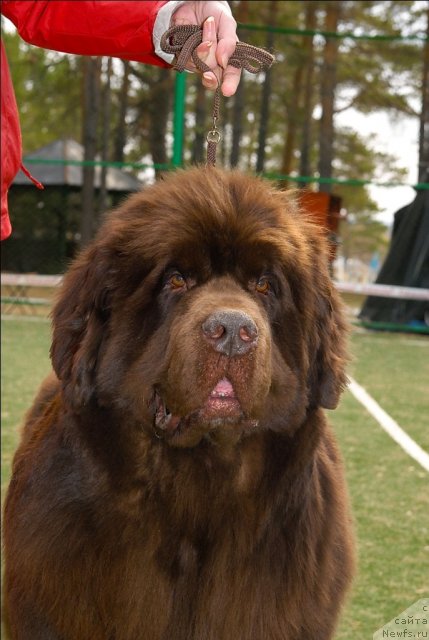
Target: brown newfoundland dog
177	478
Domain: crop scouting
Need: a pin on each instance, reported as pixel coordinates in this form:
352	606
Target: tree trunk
237	123
424	117
91	91
266	93
202	124
224	130
307	107
292	118
105	135
159	108
242	15
120	133
327	94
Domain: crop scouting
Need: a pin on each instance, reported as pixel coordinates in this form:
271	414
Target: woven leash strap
183	40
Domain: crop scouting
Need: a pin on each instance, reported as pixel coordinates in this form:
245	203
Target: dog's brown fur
230	522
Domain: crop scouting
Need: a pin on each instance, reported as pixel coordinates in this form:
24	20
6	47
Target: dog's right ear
80	319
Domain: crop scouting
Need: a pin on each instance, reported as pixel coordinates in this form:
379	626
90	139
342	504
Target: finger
227	40
209	80
224	50
209	35
209	29
230	81
205	51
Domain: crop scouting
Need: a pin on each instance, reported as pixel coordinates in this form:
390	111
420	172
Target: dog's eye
177	281
263	285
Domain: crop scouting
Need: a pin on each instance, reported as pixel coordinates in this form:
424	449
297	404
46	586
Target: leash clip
214	134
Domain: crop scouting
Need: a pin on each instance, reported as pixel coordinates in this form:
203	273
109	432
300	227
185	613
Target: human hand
218	43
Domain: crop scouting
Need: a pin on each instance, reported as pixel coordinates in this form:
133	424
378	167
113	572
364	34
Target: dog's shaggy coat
177	478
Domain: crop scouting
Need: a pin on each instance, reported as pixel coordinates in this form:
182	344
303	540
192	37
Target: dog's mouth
165	421
222	402
221	407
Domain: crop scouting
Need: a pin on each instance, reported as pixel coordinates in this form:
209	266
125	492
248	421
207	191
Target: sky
398	137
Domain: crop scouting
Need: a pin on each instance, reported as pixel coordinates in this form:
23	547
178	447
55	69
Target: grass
395	370
389	491
25	362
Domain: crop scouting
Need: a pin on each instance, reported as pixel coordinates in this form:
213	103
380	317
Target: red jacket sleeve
120	28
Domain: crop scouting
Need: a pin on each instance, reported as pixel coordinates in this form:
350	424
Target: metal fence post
179	119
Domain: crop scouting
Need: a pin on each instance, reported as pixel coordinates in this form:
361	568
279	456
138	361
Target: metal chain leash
183	40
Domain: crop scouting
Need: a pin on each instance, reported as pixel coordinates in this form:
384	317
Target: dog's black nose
230	332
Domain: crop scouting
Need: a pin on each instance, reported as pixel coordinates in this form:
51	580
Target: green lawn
25	362
389	491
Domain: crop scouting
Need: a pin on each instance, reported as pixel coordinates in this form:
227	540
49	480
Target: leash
183	40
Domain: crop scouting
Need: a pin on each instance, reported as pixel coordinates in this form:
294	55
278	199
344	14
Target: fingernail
224	61
209	77
210	19
207	44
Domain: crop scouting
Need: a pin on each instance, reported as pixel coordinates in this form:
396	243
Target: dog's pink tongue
223	389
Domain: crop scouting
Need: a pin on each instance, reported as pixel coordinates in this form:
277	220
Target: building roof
70	175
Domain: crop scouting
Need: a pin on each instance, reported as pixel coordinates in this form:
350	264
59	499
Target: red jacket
120	28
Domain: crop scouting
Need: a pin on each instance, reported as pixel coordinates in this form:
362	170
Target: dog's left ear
80	319
329	367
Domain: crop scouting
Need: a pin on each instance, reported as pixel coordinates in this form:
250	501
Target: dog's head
203	308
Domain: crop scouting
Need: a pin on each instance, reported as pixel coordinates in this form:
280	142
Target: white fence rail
383	290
